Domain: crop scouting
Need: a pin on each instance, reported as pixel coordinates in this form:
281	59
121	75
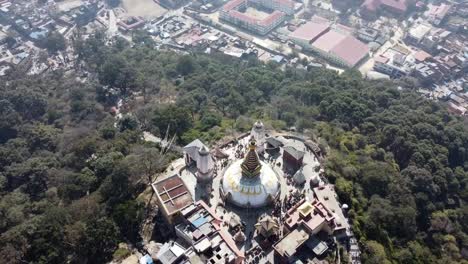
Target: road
113	29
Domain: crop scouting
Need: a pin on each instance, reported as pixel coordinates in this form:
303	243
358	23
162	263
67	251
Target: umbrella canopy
267	226
299	177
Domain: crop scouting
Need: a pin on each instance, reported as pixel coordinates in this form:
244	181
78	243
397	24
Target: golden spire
251	165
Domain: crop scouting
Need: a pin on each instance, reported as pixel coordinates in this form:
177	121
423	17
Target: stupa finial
251	165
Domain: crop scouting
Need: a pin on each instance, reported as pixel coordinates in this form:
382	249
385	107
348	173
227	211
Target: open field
253	12
145	8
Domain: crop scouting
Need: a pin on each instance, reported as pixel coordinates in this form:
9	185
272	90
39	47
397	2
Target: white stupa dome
250	182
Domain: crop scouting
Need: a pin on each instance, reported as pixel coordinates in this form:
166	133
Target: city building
314	216
433	39
146	259
334	43
172	196
417	33
308	33
462	9
437	13
367	34
395	66
131	23
232	13
285	6
171	4
426	73
371	9
171	253
327	197
341	4
201	230
303	224
456	109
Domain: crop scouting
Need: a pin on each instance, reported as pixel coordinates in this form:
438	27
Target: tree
54	42
47	241
42	137
128	122
8	121
93	49
76	185
30	103
142	37
176	119
374	253
185	65
344	189
209	120
103	166
376	177
128	216
117	187
147	162
117	72
99	241
10	41
32	175
113	3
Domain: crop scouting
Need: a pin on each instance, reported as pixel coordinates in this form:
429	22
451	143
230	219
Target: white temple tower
259	134
205	165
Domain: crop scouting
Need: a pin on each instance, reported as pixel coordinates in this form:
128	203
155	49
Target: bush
121	254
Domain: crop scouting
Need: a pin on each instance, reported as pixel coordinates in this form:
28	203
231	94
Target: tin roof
309	31
350	50
328	40
173	194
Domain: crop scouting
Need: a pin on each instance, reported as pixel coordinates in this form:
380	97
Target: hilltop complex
128	131
259	197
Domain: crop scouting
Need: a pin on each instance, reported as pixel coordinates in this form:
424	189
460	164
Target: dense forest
71	175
